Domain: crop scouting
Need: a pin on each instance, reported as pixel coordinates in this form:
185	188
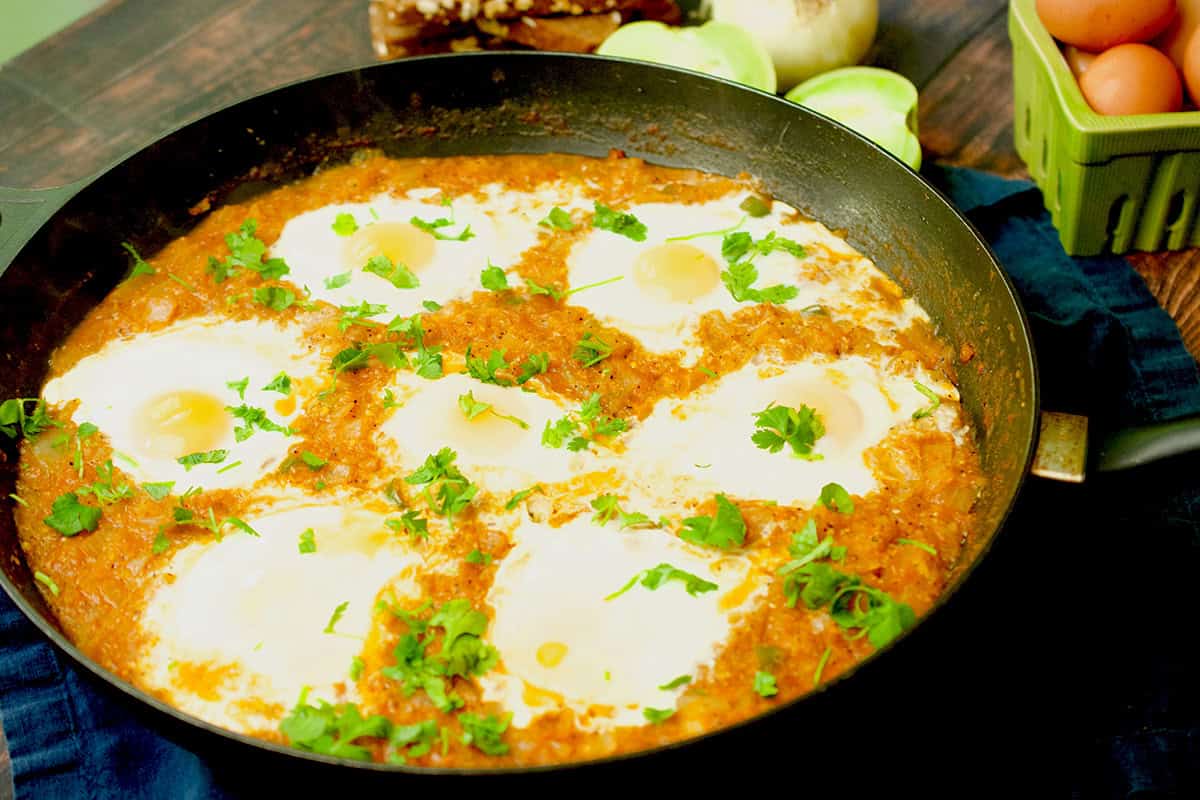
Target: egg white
497	454
701	444
503	225
116	386
551	588
258	608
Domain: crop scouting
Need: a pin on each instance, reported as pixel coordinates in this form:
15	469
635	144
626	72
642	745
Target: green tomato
716	48
878	103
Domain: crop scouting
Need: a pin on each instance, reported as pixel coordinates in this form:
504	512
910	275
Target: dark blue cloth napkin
1105	348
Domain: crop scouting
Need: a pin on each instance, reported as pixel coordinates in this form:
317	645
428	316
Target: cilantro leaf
431	305
558	218
239	387
410	522
725	530
627	225
312	460
360	314
160	544
417	737
835	498
928	548
308	541
478	557
68	516
105	488
332	730
447	490
485	734
549	290
779	425
15	421
253	417
579	429
493	279
397	274
210	457
46	581
756	206
344	224
656	577
675	683
336	617
275	298
339	280
934	401
158	491
657	716
433	228
591	350
472	408
764	684
357	665
281	383
241	525
516	499
140	267
485	371
534	364
606	508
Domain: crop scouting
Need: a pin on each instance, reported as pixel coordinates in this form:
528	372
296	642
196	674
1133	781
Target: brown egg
1078	60
1191	69
1096	25
1132	79
1175	39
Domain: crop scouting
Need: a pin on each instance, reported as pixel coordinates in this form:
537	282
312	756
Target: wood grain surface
135	69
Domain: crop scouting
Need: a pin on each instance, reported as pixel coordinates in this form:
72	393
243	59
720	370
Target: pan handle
24	211
1062	451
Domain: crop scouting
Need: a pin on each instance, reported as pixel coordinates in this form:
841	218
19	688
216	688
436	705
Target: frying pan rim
69	191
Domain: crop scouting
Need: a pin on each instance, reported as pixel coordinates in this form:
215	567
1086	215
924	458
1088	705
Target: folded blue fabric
1105	349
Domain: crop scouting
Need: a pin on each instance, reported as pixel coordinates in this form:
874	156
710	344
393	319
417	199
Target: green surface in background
24	23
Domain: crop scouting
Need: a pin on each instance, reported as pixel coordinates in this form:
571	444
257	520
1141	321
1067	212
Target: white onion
805	37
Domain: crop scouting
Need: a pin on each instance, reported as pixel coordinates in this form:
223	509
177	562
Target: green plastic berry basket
1111	184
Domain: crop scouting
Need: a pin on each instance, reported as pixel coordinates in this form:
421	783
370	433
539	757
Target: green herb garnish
69	517
308	541
726	529
209	457
836	498
558	218
281	383
344	224
591	350
656	577
396	274
764	684
627	225
934	401
798	427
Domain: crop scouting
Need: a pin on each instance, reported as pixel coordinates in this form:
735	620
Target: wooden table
136	68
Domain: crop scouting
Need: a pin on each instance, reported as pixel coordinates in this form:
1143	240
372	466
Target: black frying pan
60	248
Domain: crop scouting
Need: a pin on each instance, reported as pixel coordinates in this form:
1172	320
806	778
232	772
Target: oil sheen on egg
333	265
674	277
702	444
160	396
499	449
240	627
606	659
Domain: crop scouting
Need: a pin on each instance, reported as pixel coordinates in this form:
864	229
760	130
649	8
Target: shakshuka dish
494	461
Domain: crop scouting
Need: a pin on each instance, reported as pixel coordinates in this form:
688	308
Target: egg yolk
838	411
178	423
399	241
676	271
551	654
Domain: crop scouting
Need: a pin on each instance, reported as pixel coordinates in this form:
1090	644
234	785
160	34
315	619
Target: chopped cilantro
755	206
337	615
281	383
105	488
558	218
140	267
835	498
675	683
534	364
275	298
516	499
332	730
462	653
428	363
46	581
241	525
210	457
158	491
446	490
798	427
658	715
15	421
594	285
656	577
16	498
356	668
308	541
549	290
312	460
724	530
591	350
472	408
607	507
417	737
579	429
485	734
485	370
360	315
239	387
246	251
253	418
434	229
344	224
339	280
934	401
161	543
397	274
739	249
477	557
493	279
626	225
928	548
821	665
764	684
410	522
431	305
68	516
